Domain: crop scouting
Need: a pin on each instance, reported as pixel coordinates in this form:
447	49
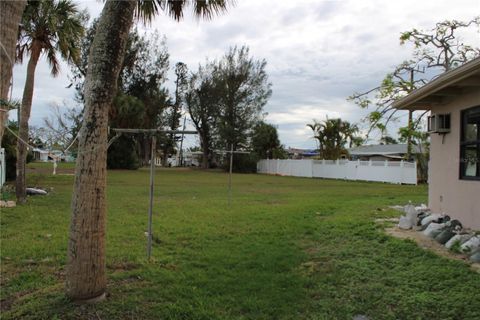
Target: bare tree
60	128
436	49
440	46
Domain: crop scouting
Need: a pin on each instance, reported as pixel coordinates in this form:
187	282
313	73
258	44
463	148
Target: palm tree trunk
20	184
10	17
86	279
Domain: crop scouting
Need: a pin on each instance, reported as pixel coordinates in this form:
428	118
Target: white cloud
318	52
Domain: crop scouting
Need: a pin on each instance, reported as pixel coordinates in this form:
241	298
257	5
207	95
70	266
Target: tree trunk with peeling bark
22	148
86	279
10	17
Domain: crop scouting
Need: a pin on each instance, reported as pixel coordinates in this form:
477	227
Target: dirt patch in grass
429	244
6	304
123	266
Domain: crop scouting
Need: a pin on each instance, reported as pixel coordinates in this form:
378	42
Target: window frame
464	143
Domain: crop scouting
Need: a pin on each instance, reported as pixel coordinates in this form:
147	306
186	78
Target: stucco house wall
447	192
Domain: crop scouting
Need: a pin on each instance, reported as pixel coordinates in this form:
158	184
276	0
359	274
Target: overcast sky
318	52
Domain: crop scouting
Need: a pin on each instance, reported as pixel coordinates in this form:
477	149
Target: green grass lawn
287	248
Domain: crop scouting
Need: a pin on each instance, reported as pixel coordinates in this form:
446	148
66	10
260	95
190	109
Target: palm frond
52	61
56	25
206	9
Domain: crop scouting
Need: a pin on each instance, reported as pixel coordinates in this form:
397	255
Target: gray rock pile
441	228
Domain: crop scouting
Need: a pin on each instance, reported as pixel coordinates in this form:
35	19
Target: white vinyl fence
382	171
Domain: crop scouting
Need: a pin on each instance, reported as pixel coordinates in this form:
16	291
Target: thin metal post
181	142
152	175
230	177
152	132
231	169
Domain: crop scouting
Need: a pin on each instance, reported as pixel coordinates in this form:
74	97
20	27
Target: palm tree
314	126
10	17
332	136
47	27
351	133
86	279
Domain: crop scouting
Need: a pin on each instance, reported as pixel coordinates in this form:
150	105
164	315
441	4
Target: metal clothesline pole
150	208
181	142
152	132
230	177
231	152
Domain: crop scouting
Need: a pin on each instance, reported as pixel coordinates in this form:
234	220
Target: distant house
40	155
46	155
454	169
382	152
295	153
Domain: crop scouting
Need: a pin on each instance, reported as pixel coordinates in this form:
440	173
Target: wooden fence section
400	172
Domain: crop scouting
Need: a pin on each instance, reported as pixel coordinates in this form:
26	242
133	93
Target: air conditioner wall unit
439	123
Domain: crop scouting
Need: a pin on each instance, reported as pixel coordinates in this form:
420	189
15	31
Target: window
470	144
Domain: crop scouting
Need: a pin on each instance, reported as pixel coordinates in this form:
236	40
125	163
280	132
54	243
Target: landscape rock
460	238
452	228
455	224
422	207
445	235
444	219
422	215
475	257
412	216
7	204
471	245
405	223
433	229
360	317
35	191
424	226
409	208
431	218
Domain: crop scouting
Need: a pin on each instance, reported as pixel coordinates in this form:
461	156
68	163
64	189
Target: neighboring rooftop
447	86
383	150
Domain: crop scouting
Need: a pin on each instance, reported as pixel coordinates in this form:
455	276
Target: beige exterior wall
460	199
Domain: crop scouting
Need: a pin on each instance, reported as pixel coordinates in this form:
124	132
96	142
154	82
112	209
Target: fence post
311	168
416	171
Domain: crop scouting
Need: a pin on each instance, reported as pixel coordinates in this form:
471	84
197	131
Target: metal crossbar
151	131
